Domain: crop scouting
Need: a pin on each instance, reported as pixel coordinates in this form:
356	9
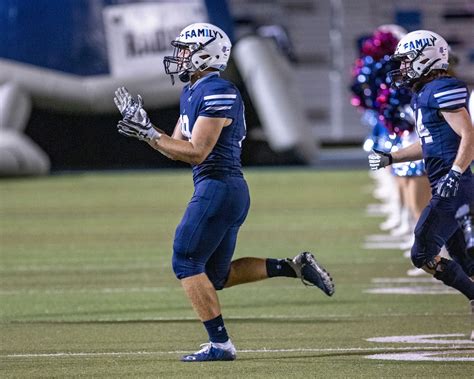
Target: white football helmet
198	47
420	52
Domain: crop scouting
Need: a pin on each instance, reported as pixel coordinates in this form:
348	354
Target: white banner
139	35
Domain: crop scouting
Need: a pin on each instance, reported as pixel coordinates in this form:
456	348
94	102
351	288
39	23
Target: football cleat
209	352
311	272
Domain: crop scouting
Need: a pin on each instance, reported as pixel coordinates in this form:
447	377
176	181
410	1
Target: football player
209	136
446	144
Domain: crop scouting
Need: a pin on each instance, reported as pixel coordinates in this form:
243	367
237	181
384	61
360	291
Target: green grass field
87	288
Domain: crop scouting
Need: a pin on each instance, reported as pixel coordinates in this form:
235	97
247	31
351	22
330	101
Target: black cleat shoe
311	272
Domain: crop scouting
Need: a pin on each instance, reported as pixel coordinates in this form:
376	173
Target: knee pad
184	266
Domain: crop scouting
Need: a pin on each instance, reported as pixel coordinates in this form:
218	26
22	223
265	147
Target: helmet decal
203	32
419	43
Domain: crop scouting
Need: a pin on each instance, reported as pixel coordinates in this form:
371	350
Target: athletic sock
279	267
216	330
451	274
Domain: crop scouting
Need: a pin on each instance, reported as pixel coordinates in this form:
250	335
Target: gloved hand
134	129
379	159
448	185
129	108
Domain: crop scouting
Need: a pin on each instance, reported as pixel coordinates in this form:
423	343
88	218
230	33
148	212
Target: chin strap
184	76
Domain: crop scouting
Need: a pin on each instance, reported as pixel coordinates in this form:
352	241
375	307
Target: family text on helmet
201	33
420	43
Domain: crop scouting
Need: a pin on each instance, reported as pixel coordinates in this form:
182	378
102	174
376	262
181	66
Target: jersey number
184	122
421	129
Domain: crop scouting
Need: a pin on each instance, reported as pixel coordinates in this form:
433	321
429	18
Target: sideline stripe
245	351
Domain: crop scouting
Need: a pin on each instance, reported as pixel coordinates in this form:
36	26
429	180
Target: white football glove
129	108
136	122
134	129
379	159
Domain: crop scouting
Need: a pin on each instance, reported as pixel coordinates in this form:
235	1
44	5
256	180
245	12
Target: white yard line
413	290
78	267
405	280
383	238
59	291
245	351
381	245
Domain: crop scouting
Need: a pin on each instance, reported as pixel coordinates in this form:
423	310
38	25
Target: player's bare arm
408	154
175	135
206	132
380	159
460	122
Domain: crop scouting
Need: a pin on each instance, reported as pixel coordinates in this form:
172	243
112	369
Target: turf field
87	288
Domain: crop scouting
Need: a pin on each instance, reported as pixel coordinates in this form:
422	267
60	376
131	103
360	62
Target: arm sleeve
218	102
450	97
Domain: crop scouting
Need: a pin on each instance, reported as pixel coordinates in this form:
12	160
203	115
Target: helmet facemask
407	75
188	57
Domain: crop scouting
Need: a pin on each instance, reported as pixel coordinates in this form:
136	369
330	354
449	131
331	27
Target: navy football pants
206	237
437	226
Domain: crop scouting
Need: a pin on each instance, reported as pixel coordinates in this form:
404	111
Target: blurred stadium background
61	61
86	286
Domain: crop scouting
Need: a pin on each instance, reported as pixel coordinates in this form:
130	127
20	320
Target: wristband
457	169
155	132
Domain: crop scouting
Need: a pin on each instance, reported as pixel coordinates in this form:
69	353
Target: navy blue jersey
212	96
439	141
